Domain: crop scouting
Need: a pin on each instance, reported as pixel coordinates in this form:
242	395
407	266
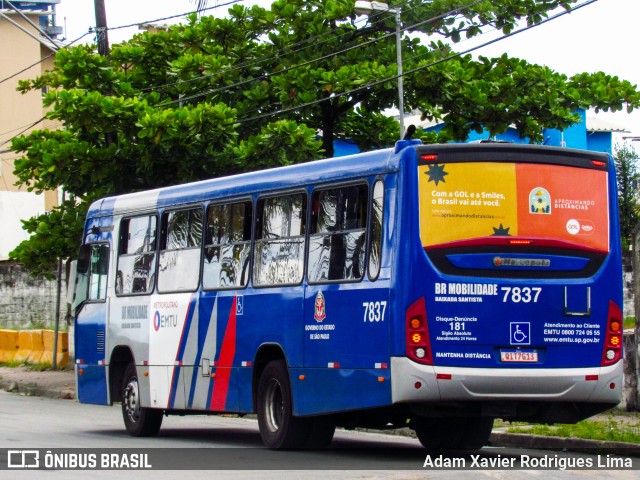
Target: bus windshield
461	201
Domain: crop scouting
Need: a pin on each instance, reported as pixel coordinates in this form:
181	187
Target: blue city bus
432	286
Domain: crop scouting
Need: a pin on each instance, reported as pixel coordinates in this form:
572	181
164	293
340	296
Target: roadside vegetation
36	367
629	323
619	427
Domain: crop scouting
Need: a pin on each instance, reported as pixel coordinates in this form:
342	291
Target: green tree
218	96
627	172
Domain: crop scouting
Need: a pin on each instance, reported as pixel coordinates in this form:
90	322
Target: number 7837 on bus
521	294
374	311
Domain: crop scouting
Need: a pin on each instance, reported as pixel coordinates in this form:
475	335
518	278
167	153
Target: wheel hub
130	400
274	406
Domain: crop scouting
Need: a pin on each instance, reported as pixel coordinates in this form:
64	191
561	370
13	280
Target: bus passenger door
91	307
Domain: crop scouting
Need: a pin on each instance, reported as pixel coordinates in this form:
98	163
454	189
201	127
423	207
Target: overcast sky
602	36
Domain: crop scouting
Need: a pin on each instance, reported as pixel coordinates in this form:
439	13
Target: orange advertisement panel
461	201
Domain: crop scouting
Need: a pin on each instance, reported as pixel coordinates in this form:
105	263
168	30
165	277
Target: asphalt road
232	447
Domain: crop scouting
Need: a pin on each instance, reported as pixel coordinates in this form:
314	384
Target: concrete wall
28	302
630	392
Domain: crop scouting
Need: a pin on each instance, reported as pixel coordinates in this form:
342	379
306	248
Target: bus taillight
430	157
418	345
613	339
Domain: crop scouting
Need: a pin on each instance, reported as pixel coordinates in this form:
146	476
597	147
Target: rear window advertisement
461	201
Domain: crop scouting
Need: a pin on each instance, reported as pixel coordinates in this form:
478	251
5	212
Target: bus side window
338	232
227	246
180	249
92	269
280	240
136	255
375	236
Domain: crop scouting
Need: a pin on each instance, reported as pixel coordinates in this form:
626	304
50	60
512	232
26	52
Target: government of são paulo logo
319	311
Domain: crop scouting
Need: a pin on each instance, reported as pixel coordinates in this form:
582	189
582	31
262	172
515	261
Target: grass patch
35	367
608	430
629	323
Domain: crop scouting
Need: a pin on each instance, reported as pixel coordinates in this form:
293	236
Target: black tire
139	421
477	433
279	429
321	432
440	433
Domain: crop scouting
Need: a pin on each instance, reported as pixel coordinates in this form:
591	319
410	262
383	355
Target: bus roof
339	168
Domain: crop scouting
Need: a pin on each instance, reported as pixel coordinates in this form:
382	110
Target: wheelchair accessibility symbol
520	333
239	305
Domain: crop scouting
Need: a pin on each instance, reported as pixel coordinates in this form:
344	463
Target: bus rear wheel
477	432
440	433
279	429
139	421
454	433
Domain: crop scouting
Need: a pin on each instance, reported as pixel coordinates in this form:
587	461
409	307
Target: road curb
35	390
540	442
30	387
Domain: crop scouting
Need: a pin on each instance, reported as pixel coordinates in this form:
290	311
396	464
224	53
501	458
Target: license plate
519	356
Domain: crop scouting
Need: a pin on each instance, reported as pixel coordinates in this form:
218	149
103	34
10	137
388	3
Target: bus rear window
475	200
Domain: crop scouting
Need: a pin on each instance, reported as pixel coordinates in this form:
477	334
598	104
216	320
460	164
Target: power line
377	82
116	28
313	41
43	59
218	5
325	57
415	70
24	130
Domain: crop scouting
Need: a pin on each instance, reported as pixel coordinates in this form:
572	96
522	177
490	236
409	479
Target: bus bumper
412	382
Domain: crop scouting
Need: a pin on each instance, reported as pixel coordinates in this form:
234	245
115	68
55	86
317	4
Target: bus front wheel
279	429
139	421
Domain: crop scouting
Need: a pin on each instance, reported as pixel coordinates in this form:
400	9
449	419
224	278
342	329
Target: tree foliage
217	96
628	174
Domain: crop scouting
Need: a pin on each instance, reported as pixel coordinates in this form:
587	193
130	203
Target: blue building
590	134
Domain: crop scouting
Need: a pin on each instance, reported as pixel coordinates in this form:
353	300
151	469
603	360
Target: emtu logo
164	321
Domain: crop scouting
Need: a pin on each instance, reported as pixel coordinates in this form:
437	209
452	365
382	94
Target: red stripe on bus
225	360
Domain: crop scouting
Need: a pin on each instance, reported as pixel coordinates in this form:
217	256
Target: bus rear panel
517	286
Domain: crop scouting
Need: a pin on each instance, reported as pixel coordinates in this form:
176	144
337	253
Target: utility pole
101	28
102	38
